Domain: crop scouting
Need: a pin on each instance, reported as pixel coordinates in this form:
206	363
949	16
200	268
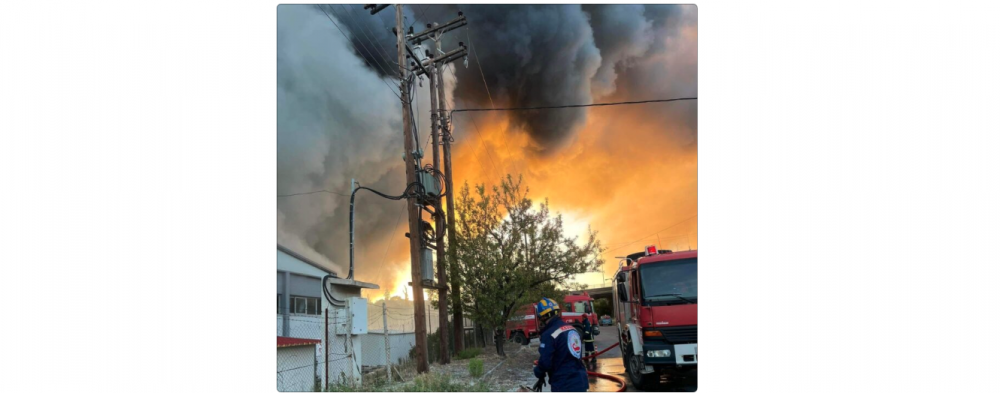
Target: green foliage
434	382
476	367
510	251
434	345
602	307
430	382
470	353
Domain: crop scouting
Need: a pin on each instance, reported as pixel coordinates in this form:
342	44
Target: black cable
413	119
329	297
570	106
350	273
312	192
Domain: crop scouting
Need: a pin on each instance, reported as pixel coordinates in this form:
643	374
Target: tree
510	251
602	307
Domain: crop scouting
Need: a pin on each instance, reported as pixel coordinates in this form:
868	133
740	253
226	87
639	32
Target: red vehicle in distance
521	328
656	312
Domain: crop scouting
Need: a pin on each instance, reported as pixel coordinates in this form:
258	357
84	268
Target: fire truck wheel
520	339
633	366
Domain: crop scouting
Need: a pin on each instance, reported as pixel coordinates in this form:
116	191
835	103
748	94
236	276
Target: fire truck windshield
578	306
670	281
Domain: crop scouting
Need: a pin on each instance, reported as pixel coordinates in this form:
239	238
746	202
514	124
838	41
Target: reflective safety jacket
559	358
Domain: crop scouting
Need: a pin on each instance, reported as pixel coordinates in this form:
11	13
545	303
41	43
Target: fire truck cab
656	311
522	327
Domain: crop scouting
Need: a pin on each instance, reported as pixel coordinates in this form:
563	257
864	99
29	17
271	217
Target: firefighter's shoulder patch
573	342
561	330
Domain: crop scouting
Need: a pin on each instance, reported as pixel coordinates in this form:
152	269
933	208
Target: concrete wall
303	326
296	371
373	347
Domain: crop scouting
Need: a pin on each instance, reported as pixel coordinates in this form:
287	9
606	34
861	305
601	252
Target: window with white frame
305	305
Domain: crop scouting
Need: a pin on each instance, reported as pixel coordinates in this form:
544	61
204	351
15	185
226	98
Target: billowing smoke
542	55
622	33
338	119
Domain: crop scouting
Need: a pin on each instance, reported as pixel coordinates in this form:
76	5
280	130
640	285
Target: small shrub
469	353
432	382
476	367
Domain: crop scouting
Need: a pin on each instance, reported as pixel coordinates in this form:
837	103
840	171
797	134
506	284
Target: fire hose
619	380
599	352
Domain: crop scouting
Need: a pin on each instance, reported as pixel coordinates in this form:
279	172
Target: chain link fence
345	347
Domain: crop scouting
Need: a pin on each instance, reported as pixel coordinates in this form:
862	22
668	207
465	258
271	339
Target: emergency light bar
650	250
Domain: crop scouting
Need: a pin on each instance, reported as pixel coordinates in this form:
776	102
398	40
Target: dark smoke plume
338	120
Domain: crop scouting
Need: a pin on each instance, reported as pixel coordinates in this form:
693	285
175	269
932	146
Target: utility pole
385	333
416	227
437	63
459	331
439	224
420	330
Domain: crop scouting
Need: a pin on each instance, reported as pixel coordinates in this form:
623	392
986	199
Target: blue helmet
546	307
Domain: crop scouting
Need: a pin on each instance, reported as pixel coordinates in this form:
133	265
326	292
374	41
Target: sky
628	172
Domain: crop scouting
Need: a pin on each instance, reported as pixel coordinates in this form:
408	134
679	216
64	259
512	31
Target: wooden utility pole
438	62
420	329
459	331
439	226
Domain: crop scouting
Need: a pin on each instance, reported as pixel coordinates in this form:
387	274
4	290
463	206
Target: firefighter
588	338
560	351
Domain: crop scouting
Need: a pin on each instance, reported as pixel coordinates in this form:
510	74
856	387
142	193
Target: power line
525	108
398	217
366	48
391	239
418	16
377	44
651	234
355	47
483	75
483	144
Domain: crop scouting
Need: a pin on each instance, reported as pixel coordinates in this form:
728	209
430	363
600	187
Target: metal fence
334	349
344	346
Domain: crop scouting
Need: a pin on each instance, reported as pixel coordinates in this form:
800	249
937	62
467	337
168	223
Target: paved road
610	363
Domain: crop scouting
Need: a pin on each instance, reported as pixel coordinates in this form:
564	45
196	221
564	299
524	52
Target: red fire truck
522	327
656	311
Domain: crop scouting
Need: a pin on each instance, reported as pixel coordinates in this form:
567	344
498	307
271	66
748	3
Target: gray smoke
545	55
622	33
338	120
533	55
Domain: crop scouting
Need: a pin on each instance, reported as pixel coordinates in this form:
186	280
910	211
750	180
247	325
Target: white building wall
373	347
289	263
296	368
306	326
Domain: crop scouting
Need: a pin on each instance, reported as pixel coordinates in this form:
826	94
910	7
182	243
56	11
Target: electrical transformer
426	265
429	182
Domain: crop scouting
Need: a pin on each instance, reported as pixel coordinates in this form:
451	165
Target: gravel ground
500	373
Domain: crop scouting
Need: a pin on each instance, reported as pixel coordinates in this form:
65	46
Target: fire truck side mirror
622	293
